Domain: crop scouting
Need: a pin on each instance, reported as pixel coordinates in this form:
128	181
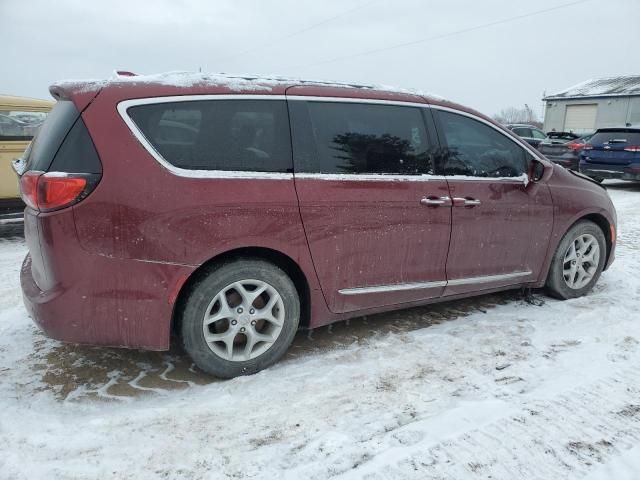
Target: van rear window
231	135
629	137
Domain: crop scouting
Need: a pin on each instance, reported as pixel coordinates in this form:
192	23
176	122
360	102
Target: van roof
126	85
219	83
249	83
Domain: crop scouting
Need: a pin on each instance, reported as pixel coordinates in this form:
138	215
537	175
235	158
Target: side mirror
536	170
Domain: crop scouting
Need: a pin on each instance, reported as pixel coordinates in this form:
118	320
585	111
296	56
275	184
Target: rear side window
231	135
629	137
77	154
50	136
523	132
356	138
538	134
478	150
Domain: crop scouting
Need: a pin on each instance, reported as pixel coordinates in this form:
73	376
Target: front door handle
466	202
434	201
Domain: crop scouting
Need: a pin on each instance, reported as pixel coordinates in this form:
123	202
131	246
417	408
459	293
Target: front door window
477	150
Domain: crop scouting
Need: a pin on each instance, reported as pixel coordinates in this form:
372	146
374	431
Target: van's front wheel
240	318
578	261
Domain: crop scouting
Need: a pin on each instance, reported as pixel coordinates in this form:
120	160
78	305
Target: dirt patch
630	411
75	372
589	453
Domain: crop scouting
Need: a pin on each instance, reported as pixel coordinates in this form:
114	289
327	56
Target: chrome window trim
469	178
371	101
426	285
184	172
368	177
243	174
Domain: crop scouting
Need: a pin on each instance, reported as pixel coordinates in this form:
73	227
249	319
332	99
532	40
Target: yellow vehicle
20	119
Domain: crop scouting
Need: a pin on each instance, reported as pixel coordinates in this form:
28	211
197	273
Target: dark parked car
564	148
292	204
612	153
530	134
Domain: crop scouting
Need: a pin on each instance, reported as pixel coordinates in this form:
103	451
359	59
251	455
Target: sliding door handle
434	201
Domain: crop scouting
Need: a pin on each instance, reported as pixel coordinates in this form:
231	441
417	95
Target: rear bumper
608	171
132	309
78	297
39	304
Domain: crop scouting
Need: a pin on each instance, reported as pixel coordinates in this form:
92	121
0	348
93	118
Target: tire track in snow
598	420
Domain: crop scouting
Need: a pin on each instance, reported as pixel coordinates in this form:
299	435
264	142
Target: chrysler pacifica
232	211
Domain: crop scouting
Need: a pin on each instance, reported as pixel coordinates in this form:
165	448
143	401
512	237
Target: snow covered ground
492	387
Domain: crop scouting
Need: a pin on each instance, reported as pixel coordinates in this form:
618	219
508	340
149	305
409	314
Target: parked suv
232	211
612	153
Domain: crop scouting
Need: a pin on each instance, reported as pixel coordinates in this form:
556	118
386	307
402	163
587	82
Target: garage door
580	118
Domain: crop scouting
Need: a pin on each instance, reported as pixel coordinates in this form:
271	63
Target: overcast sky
487	54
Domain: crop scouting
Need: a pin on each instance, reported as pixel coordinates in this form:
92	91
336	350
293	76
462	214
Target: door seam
304	228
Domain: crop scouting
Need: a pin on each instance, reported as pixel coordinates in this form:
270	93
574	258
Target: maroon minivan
231	211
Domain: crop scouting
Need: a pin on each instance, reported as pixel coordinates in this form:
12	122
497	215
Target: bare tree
517	115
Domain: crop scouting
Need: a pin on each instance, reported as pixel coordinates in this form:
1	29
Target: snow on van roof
237	82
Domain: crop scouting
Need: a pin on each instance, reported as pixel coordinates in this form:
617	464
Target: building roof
620	86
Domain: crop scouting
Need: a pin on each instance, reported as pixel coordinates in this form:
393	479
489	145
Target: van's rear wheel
240	318
578	261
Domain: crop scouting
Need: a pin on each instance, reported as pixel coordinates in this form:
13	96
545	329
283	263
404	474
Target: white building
605	102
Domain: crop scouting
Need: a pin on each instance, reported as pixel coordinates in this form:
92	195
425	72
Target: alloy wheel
244	320
581	261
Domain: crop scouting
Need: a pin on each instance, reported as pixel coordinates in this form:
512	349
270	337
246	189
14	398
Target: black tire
199	299
556	284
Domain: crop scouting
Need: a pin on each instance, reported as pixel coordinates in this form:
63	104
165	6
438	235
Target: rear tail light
574	146
54	190
29	188
632	148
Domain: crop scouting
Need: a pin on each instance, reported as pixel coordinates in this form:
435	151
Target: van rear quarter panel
83	298
142	211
